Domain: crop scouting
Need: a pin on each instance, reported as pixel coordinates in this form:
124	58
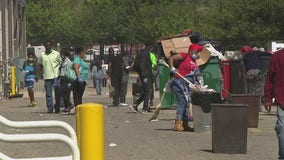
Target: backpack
70	74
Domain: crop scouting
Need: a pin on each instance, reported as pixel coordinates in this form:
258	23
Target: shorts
29	84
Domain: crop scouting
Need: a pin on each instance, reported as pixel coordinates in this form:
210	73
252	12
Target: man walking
116	73
143	67
49	62
274	88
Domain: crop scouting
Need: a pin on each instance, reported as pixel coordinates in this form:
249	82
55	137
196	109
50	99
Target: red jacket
274	82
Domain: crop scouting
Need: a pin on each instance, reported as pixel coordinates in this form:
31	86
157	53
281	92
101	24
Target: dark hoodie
143	64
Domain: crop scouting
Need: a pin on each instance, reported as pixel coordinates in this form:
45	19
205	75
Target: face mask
195	56
31	59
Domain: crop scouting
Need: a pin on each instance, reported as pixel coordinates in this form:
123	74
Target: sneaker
65	111
33	103
123	104
73	110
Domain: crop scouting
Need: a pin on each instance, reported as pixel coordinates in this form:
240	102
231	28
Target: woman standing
81	70
188	68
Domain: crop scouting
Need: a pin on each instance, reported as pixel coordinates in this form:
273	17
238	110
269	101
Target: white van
37	50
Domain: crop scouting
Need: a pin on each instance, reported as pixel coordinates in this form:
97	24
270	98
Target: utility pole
195	15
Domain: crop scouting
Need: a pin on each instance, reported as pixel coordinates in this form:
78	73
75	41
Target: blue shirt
30	69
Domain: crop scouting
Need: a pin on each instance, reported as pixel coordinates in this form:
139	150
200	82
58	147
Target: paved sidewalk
135	137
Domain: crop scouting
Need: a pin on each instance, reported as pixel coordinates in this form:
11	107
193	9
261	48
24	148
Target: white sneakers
123	104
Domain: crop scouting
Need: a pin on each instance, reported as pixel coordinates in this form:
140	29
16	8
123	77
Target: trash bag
205	99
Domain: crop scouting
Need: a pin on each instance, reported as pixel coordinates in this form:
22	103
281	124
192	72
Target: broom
195	88
158	108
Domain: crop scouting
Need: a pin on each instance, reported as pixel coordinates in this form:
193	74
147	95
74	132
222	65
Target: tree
86	22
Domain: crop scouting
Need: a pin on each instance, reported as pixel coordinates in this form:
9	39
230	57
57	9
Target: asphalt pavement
129	135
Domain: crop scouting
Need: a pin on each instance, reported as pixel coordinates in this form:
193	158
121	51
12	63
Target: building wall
12	35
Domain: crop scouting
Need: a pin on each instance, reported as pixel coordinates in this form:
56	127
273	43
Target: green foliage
85	22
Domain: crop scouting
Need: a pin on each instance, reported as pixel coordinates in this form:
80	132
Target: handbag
70	74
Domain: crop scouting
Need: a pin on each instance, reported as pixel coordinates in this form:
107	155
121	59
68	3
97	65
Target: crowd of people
52	67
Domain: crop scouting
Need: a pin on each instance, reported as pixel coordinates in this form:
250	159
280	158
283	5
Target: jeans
279	128
182	92
99	86
48	85
58	93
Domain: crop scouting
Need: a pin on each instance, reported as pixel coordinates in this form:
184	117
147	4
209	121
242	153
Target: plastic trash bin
229	128
170	99
211	73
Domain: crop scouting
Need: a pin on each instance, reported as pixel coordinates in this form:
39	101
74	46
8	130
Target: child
30	70
98	75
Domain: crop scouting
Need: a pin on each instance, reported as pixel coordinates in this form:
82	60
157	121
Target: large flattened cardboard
181	44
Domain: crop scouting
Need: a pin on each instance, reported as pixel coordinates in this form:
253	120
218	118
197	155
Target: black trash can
229	128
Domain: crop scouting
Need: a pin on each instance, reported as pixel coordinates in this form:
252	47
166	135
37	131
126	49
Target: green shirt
84	68
153	60
51	63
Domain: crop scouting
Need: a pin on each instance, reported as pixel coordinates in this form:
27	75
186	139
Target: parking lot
130	136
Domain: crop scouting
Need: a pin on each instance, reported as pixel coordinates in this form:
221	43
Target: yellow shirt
51	63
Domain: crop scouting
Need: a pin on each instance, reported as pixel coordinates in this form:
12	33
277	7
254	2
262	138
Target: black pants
116	83
78	92
123	91
66	88
146	93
